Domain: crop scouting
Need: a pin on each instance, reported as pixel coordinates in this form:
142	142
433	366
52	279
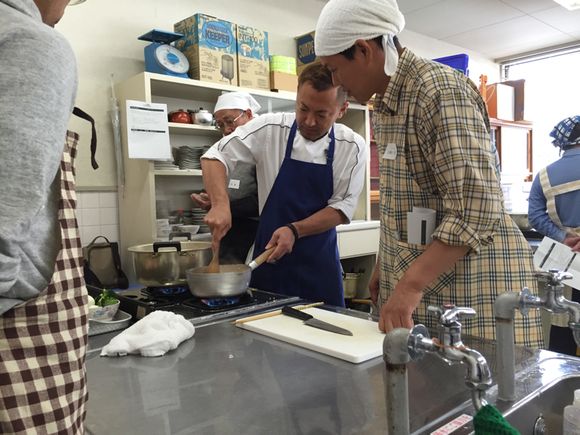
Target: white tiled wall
98	215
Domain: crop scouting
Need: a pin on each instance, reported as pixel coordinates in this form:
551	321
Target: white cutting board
365	343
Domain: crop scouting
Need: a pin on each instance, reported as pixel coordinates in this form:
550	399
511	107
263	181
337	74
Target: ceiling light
75	2
571	5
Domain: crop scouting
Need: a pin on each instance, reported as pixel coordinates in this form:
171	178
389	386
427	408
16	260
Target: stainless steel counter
226	380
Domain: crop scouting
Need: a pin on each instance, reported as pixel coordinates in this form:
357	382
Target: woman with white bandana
432	131
234	109
554	211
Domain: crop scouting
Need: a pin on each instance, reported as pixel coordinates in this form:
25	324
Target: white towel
153	335
342	22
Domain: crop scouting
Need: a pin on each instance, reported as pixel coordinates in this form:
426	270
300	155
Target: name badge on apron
390	152
234	184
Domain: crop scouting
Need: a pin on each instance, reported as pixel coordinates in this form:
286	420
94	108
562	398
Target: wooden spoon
214	265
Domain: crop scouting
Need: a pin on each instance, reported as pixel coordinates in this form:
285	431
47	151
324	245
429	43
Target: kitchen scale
162	58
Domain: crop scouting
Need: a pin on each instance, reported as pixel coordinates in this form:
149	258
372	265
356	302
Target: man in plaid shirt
432	131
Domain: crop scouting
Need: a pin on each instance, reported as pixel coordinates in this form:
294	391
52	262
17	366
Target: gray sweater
38	82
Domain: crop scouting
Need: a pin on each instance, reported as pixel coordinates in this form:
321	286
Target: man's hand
201	200
397	311
573	242
219	220
283	240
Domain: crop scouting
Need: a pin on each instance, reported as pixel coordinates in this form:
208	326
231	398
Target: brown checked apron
476	280
43	341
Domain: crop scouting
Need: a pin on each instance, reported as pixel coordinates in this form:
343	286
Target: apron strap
82	114
330	154
290	143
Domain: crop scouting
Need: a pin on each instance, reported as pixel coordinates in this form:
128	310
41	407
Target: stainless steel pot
164	263
231	280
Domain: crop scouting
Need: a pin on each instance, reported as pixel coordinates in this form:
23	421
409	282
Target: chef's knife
315	323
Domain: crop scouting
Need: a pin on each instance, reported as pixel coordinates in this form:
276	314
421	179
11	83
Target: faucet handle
553	277
449	313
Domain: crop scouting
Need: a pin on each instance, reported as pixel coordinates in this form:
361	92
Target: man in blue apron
554	211
310	172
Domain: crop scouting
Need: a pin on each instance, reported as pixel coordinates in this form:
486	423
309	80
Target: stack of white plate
198	216
165	165
188	157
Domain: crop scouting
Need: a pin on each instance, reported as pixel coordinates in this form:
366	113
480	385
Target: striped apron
43	340
550	192
561	338
477	279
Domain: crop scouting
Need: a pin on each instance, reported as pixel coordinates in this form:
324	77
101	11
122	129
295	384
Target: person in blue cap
554	211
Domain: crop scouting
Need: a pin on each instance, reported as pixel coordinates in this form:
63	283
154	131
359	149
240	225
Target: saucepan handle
261	258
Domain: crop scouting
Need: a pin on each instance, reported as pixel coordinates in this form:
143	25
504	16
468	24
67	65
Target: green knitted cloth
489	421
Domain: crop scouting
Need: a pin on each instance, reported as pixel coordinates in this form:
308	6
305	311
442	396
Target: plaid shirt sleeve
454	136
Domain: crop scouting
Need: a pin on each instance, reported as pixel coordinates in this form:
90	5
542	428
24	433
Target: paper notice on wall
555	255
147	131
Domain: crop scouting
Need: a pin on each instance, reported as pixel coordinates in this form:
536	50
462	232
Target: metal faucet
451	349
401	345
504	307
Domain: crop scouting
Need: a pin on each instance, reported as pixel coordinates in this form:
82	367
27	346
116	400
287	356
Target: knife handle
289	311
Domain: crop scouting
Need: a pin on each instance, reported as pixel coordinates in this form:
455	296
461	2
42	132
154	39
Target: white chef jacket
262	141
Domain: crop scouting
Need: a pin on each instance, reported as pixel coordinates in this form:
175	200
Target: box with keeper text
253	58
210	47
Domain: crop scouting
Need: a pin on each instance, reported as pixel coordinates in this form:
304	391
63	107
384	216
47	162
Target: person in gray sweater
43	299
38	82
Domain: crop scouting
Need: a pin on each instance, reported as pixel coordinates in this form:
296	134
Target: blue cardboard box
305	51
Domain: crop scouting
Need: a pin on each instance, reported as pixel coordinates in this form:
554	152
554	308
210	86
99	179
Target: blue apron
312	270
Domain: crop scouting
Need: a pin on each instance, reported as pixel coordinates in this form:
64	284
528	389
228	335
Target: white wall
103	34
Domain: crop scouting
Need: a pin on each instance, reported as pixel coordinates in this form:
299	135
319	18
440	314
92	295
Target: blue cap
567	132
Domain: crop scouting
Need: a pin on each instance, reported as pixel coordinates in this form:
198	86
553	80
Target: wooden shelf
192	129
375	195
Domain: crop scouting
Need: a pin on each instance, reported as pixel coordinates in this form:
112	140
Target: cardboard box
519	94
284	64
500	101
280	81
305	51
210	47
253	58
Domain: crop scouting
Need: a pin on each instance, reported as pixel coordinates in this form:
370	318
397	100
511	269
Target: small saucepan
231	280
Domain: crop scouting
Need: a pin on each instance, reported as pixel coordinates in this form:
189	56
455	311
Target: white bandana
237	100
342	22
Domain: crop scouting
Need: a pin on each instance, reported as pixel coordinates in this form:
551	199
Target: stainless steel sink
544	385
544	408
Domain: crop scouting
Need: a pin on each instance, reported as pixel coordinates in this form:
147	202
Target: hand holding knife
315	323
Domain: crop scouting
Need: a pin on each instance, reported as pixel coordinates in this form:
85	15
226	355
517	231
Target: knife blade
315	323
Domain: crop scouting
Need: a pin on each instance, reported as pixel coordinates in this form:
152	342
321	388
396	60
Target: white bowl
103	313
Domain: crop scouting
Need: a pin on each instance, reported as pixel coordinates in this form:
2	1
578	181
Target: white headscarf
237	100
342	22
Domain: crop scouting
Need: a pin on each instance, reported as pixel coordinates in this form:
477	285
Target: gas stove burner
153	301
141	301
221	302
167	291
